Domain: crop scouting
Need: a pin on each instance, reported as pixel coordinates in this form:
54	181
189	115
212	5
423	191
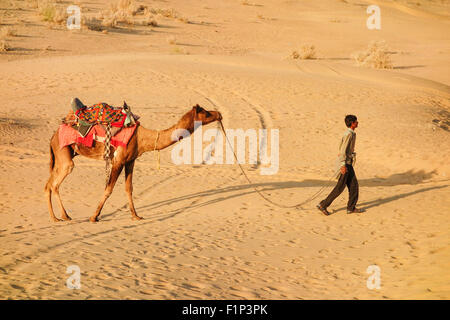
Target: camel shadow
409	177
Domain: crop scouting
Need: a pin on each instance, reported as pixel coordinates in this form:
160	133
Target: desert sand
206	233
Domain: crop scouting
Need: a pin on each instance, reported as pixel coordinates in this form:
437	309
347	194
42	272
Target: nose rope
299	205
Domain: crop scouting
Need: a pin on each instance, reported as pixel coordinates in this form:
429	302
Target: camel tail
52	159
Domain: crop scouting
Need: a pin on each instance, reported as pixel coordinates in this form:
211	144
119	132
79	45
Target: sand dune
206	233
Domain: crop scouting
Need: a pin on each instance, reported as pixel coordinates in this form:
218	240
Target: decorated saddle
102	113
111	119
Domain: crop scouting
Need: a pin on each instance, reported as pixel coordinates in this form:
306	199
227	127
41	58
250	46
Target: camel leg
62	174
61	165
129	166
48	192
115	172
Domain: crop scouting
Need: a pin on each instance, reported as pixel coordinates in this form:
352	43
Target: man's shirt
347	147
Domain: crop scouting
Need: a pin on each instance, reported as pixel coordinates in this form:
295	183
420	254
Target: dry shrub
47	10
119	16
51	13
168	13
127	7
124	11
149	20
99	24
4	46
375	56
307	51
92	23
125	4
109	22
120	12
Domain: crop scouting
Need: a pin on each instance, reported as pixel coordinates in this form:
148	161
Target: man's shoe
356	210
323	210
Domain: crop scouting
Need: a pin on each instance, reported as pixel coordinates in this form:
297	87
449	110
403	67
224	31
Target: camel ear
125	104
197	108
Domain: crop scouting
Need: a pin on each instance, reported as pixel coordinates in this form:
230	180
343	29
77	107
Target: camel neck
150	140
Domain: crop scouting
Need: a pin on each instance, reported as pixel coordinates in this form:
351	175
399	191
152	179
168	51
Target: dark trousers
348	179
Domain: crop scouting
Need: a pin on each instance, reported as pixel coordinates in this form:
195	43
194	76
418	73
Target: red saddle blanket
102	113
67	136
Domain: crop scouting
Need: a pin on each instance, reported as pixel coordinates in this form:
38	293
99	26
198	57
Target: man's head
351	121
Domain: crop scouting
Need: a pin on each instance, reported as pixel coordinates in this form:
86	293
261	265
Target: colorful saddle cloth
102	113
68	135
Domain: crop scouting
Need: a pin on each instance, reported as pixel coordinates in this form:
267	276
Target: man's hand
343	169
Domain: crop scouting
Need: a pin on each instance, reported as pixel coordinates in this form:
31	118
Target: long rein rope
299	205
159	155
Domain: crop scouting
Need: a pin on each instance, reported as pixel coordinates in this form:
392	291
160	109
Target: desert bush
109	22
51	13
306	51
168	13
127	7
47	11
92	23
123	12
149	20
375	56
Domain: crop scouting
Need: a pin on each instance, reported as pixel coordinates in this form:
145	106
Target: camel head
205	116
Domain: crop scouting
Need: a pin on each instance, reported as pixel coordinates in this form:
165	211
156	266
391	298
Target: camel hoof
93	219
136	218
67	218
56	220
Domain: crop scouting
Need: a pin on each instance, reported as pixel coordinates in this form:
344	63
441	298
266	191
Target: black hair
349	119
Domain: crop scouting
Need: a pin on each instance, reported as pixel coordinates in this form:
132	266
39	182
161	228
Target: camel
143	140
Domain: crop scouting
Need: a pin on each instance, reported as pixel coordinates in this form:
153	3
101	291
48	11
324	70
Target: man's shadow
377	202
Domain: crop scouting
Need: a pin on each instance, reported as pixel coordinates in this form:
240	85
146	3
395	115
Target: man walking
347	173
